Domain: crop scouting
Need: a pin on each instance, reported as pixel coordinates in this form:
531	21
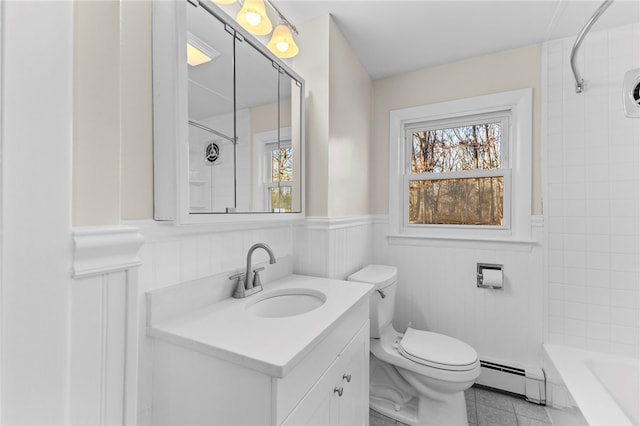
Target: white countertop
272	346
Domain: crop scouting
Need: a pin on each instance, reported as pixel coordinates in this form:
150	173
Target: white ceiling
396	36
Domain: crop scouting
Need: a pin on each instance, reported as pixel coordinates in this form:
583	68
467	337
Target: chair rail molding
104	325
105	249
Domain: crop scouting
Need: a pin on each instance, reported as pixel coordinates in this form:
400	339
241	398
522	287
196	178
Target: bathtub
606	388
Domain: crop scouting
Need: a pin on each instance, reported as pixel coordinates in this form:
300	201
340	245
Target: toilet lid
379	275
437	350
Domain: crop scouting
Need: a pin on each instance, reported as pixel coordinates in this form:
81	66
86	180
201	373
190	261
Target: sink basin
286	303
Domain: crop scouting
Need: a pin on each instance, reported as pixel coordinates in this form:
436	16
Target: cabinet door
319	406
341	395
353	405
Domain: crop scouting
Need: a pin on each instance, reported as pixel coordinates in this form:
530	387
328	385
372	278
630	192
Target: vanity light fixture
282	43
199	52
253	17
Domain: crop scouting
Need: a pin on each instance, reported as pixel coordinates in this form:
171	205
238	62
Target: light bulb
282	43
253	18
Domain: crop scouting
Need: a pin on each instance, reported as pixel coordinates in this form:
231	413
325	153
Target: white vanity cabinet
341	395
326	382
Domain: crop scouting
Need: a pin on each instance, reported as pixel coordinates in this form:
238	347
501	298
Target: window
280	166
462	169
457	171
274	175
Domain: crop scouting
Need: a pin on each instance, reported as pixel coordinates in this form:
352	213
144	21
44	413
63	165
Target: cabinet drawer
290	389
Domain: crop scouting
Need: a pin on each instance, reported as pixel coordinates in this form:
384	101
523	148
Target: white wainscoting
103	326
437	291
178	254
325	247
333	247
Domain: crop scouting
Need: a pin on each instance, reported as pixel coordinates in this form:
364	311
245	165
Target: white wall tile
599	296
598	278
624	298
601	314
598	242
599	260
591	196
575	310
624	316
556	292
575	276
623	334
599	331
573	293
624	280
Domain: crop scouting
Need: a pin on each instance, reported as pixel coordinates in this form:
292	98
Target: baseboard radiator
529	381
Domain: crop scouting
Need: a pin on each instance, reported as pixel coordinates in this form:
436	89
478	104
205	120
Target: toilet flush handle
382	295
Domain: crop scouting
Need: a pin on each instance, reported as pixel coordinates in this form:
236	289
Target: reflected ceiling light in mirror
253	17
199	52
282	43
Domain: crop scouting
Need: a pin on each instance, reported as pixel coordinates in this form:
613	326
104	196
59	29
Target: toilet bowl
417	377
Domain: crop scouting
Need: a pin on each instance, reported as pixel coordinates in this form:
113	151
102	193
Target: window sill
470	242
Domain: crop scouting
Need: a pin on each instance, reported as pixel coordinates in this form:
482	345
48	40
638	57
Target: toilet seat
437	351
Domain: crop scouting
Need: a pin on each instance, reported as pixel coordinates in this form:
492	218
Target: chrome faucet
249	282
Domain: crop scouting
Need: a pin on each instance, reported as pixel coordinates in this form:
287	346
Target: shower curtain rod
581	36
210	130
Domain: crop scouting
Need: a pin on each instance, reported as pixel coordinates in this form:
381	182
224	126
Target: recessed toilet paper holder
496	281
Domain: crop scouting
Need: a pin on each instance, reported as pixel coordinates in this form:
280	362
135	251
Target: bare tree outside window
281	171
436	196
282	164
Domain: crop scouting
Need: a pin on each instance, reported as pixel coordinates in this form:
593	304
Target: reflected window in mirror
280	158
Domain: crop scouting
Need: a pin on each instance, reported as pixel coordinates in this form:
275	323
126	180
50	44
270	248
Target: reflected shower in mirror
211	115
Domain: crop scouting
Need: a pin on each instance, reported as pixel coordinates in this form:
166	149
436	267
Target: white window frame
262	164
517	104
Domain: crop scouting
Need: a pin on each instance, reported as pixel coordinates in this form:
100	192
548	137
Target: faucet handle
256	277
239	293
235	276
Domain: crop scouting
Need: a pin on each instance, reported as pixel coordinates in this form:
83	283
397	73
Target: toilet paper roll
492	278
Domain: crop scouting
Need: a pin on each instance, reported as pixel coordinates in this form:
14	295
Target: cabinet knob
346	377
338	390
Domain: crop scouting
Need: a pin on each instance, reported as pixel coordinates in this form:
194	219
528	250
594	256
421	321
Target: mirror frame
170	118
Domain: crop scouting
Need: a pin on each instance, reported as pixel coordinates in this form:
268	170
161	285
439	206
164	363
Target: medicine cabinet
228	121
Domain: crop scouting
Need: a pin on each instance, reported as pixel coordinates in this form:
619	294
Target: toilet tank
381	307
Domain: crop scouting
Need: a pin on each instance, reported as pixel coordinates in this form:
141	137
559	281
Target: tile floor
489	408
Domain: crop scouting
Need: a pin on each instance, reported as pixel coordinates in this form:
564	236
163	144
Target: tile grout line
489	395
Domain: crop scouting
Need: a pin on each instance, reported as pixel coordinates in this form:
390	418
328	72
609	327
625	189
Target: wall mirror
228	120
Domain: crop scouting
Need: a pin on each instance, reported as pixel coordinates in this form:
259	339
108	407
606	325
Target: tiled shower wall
591	194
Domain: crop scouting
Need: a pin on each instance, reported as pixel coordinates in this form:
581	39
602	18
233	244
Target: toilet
416	377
